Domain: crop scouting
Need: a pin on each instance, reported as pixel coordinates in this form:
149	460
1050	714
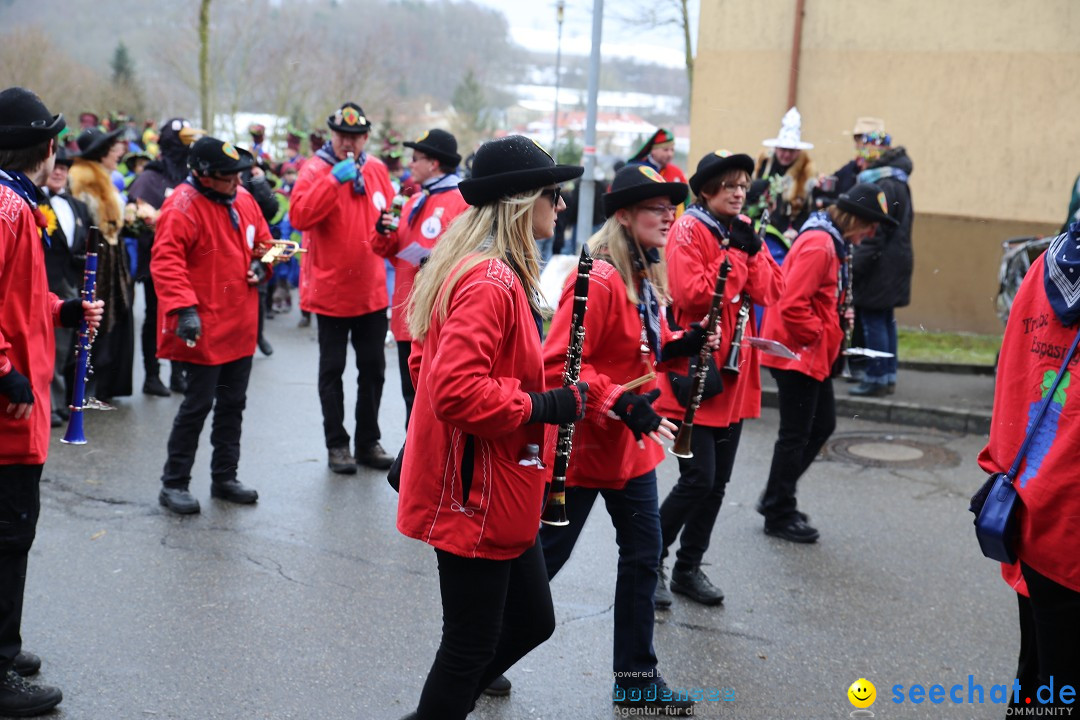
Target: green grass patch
942	347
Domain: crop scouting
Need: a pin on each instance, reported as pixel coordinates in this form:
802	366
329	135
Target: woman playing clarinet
471	483
710	231
807	319
617	447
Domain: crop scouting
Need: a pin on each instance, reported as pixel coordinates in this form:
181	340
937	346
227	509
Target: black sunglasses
554	194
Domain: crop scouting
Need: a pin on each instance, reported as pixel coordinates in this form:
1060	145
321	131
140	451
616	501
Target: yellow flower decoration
50	217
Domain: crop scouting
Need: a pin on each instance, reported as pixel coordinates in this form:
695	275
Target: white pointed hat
790	135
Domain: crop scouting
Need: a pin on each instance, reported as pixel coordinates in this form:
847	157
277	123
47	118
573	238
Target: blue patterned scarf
1061	276
24	188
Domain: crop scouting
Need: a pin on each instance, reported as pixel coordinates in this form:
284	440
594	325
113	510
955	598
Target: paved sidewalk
954	399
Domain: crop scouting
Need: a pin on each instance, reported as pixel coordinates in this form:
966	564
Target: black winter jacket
881	266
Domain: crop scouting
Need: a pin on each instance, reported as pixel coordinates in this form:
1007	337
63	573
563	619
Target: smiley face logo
651	174
230	151
862	693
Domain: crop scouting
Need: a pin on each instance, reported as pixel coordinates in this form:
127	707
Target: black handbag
996	501
393	475
681	384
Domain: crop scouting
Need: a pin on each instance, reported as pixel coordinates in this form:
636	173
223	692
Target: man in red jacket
28	314
205	265
336	203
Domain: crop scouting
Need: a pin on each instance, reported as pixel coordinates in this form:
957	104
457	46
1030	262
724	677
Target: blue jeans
636	518
879	333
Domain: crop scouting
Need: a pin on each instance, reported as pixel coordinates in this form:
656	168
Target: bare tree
664	15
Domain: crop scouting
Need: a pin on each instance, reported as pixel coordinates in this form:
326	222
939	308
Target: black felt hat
94	142
510	166
64	156
867	201
718	163
439	144
349	118
211	155
635	183
24	120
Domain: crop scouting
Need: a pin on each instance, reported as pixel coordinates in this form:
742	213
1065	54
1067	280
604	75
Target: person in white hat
790	172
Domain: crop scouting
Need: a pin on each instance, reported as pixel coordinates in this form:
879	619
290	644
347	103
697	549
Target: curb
970	422
948	368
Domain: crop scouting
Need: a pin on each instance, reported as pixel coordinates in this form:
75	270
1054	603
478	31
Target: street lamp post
558	76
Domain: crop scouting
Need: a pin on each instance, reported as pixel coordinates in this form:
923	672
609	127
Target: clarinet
74	434
555	503
732	364
681	448
840	366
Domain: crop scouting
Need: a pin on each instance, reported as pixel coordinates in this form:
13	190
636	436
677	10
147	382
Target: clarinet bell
74	434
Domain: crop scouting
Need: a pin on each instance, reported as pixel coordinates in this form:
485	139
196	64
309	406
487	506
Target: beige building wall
984	94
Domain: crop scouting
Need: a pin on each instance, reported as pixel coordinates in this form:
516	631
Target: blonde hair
501	230
614	243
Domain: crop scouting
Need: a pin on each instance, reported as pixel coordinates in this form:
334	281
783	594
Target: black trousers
149	329
408	392
222	388
494	613
1055	617
807	420
20	505
693	504
367	334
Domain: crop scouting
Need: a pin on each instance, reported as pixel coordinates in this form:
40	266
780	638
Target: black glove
689	345
380	225
560	406
71	313
188	325
16	387
743	237
259	268
637	412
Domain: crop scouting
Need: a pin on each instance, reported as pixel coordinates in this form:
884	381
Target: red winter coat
1048	482
199	259
807	317
425	230
28	314
693	260
340	275
605	454
472	373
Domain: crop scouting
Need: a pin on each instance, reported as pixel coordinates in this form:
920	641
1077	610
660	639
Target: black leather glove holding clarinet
636	411
560	406
743	237
688	345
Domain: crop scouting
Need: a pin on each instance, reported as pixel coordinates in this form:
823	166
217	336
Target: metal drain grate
891	450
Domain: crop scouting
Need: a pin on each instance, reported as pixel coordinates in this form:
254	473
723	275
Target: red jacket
693	260
1048	483
807	317
605	453
28	314
340	275
425	230
199	259
472	373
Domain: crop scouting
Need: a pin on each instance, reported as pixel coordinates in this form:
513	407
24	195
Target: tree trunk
685	18
204	66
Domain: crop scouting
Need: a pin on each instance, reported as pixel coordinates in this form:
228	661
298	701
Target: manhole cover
894	450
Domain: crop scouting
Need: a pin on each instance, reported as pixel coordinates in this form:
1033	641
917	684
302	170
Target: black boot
20	698
26	663
233	491
153	386
179	500
695	585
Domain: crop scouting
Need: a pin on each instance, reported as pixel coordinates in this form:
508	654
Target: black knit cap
25	121
211	155
867	201
349	118
94	143
439	144
511	166
718	163
635	183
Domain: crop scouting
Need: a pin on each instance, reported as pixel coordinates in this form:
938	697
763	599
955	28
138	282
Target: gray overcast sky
533	25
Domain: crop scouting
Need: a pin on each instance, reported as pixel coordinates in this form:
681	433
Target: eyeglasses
660	210
555	194
734	186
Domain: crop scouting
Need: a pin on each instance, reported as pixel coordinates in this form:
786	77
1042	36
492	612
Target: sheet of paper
771	347
867	352
414	253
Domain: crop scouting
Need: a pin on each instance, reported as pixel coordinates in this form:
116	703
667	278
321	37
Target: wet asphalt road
311	605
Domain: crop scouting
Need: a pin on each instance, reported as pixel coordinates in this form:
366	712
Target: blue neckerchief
326	152
820	220
649	306
440	184
219	198
875	174
27	190
1061	276
706	218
